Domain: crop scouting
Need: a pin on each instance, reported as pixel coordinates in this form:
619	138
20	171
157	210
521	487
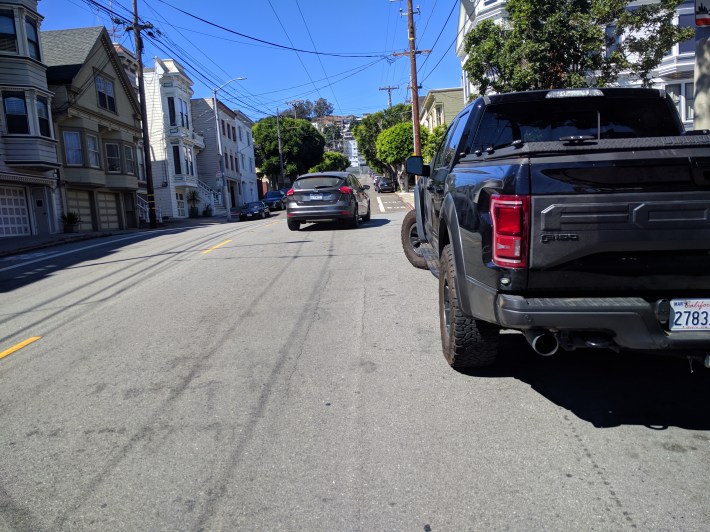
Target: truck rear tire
410	241
467	342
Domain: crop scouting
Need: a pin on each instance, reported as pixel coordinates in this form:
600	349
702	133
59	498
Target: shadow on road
609	389
330	226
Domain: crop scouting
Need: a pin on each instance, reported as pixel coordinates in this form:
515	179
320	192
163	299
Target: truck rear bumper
629	322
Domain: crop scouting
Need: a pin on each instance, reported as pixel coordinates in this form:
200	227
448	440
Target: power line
332	54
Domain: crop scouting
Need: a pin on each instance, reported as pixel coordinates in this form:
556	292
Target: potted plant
193	198
71	221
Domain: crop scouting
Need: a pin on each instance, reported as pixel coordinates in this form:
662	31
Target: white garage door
80	201
108	210
14	215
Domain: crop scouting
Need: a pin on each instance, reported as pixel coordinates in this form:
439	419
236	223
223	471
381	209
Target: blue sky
353	40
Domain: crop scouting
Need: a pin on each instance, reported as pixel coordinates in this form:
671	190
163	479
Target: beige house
28	148
97	122
440	107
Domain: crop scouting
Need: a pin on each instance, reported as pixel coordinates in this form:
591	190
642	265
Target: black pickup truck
578	217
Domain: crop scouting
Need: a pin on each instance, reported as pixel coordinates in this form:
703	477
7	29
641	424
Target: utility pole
294	102
389	94
281	157
414	85
137	28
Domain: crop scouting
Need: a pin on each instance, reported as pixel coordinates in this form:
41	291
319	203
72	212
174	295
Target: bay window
92	143
8	35
72	148
16	112
113	157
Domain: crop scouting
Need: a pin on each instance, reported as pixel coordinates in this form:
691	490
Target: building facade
174	141
440	107
246	163
674	74
96	118
208	164
29	198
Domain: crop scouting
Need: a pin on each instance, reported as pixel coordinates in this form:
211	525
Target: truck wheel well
443	235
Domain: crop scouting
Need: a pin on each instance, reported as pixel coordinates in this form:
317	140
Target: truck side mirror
415	165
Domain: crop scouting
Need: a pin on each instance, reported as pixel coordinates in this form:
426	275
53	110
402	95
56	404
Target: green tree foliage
322	107
301	144
333	137
308	110
395	144
371	126
546	44
332	162
432	145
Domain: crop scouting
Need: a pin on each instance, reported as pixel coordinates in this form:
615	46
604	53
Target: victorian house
96	118
174	141
29	200
245	154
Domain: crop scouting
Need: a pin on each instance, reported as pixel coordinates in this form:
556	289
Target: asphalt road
245	377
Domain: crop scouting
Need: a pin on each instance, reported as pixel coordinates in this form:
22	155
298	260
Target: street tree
302	147
395	144
333	137
547	44
322	108
371	126
332	162
433	141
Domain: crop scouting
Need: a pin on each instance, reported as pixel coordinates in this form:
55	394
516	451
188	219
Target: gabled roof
67	51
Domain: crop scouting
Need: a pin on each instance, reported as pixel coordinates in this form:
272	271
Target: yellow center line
19	346
215	247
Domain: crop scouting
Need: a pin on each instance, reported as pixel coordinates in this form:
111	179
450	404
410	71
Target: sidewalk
22	244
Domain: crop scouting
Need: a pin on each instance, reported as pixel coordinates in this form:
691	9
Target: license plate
249	215
316	196
690	315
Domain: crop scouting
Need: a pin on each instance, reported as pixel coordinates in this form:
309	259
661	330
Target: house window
129	159
240	133
8	36
171	110
113	157
32	38
184	122
92	143
223	133
141	165
72	148
686	21
43	117
104	88
234	133
16	112
242	160
187	154
689	101
176	159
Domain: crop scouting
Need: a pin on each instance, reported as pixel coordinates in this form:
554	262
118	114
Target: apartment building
246	159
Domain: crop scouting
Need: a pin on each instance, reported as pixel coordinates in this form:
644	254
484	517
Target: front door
42	210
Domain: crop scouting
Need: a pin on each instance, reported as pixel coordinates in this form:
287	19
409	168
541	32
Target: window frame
10	15
110	100
93	151
19	95
129	159
79	148
43	121
177	168
32	45
110	158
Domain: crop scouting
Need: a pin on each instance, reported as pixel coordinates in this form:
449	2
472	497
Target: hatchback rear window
323	181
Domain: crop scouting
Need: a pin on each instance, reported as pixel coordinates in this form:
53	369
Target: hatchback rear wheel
293	225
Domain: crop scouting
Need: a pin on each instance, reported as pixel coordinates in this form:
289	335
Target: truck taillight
511	219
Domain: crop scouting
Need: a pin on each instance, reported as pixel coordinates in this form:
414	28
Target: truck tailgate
621	222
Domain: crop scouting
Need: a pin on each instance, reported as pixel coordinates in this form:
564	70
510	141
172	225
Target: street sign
702	12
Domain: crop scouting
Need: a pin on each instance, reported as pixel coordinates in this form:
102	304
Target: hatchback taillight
345	190
511	221
290	192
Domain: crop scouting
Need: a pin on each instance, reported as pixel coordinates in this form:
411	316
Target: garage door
80	201
108	210
14	215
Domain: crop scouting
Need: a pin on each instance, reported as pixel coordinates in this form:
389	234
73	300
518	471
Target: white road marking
379	202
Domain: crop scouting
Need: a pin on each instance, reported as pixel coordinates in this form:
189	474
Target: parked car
253	209
274	199
327	196
384	185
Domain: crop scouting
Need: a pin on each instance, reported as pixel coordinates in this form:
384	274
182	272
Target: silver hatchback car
327	196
